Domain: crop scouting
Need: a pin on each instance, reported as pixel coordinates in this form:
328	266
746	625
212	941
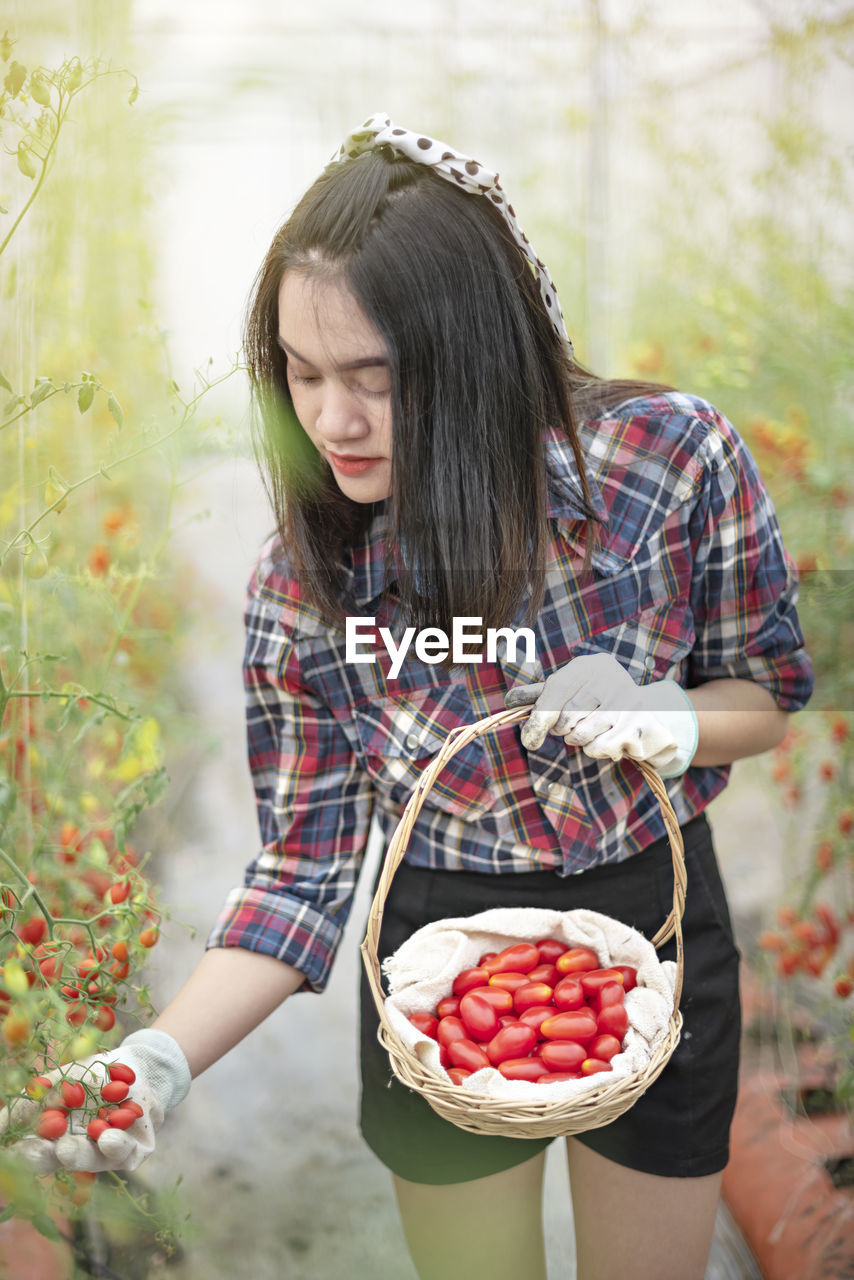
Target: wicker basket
598	1105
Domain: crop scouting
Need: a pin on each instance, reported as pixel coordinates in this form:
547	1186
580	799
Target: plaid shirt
690	583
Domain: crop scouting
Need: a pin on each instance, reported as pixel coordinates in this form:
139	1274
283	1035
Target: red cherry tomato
458	1074
468	979
449	1007
593	982
630	976
531	994
425	1023
95	1128
52	1124
465	1053
568	994
114	1091
73	1093
501	1000
508	1020
121	1118
522	957
478	1016
592	1066
511	1042
562	1055
522	1068
580	1024
554	1077
129	1105
604	1047
613	1021
577	960
450	1029
536	1016
486	957
545	973
120	1071
611	993
510	981
550	949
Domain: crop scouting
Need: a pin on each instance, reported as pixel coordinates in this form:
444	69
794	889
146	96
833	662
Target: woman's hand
162	1080
593	703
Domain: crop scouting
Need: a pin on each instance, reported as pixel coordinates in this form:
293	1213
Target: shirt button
553	788
412	741
649	663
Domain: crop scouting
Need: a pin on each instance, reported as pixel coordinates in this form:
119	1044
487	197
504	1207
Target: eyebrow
369	362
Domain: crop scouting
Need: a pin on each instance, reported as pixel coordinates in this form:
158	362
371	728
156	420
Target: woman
435	454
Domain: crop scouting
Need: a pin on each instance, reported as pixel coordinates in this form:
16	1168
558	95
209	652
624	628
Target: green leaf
39	90
85	396
8	1212
133	95
6	385
43	388
15	77
46	1226
26	164
116	410
11	405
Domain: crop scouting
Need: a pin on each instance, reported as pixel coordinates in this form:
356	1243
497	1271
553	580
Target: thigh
489	1227
639	1224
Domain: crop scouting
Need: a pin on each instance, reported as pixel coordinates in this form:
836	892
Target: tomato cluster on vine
537	1011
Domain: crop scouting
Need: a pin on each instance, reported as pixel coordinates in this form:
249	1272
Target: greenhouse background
686	172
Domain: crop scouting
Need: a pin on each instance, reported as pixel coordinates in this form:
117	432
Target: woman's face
340	382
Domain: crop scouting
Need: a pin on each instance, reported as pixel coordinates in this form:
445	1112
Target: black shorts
680	1126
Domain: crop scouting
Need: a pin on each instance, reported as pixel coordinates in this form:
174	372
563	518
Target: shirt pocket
396	738
653	644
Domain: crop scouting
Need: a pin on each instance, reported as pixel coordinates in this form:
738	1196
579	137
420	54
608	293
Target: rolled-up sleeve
314	808
744	584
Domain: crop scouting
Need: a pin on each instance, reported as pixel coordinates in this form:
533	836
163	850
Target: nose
341	415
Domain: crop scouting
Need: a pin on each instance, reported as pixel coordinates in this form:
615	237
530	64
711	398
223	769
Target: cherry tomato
120	1071
486	957
592	983
468	979
577	960
465	1053
520	958
522	1068
569	994
478	1016
450	1029
114	1091
508	1020
533	993
562	1055
545	973
95	1128
550	949
458	1074
610	993
511	1042
604	1047
510	981
449	1007
73	1093
591	1066
121	1118
536	1016
425	1023
554	1077
580	1024
613	1021
130	1105
501	1000
52	1124
38	1087
630	976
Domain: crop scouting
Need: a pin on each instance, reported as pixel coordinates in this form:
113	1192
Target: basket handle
455	741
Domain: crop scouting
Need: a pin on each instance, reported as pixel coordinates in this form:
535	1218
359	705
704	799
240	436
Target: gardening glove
594	703
162	1081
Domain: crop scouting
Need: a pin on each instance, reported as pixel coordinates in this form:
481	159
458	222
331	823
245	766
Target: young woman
434	454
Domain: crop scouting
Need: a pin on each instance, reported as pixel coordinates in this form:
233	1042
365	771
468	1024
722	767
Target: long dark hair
477	373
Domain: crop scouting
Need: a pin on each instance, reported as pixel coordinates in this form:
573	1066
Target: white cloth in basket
421	972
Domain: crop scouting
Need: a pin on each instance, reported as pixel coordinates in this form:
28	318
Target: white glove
593	703
162	1081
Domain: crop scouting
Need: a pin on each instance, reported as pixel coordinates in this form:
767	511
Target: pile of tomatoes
537	1011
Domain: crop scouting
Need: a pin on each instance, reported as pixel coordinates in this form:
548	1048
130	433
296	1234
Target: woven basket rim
479	1113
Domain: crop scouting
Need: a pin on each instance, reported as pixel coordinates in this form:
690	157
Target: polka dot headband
465	172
